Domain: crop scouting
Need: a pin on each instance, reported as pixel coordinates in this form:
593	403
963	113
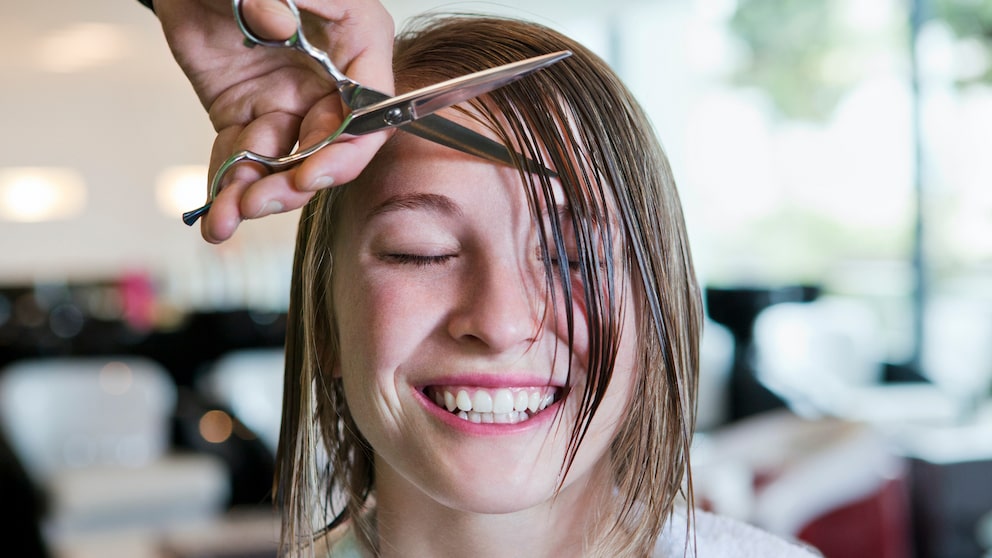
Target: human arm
267	99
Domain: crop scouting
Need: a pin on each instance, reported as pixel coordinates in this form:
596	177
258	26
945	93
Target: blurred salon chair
249	383
812	353
826	358
94	434
831	483
736	307
957	349
234	414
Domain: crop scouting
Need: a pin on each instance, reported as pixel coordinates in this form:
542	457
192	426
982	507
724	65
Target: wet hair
577	118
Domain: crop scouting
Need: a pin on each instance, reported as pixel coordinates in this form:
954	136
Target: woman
499	361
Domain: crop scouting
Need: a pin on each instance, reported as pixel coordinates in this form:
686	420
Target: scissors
354	95
392	113
373	110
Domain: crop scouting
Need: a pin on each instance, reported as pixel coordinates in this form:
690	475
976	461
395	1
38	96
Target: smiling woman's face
454	367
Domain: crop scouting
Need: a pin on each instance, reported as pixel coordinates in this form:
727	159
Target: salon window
814	149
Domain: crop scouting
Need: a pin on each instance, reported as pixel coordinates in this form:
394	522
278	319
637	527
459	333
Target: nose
499	307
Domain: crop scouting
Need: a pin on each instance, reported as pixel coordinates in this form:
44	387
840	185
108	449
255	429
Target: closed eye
573	264
416	260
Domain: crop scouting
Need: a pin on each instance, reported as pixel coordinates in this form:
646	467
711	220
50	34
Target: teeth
463	401
521	401
502	401
534	402
498	406
482	402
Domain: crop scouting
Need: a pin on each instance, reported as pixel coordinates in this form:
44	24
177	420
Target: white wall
118	123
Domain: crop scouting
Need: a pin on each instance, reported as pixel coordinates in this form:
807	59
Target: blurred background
833	161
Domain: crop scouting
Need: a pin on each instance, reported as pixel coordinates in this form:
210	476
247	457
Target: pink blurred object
137	292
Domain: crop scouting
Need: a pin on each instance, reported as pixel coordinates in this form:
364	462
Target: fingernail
321	182
270	207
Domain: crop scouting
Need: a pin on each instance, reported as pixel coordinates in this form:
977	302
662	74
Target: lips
505	405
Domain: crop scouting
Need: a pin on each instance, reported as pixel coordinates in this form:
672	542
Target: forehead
413	173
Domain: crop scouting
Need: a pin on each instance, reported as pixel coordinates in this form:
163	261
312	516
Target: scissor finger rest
271	164
191	217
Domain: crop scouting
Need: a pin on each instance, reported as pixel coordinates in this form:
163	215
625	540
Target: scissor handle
297	40
271	164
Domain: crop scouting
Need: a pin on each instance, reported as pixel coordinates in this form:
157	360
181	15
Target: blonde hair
578	118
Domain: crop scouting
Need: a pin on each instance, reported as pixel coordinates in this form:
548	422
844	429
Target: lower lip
483	428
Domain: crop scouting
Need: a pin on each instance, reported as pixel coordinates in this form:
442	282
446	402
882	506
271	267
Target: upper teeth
497	401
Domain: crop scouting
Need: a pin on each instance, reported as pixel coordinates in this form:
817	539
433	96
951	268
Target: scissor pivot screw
393	116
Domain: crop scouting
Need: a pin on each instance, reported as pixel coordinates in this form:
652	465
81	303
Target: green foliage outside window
970	19
804	54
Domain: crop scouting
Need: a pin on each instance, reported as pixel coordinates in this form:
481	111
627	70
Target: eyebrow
417	201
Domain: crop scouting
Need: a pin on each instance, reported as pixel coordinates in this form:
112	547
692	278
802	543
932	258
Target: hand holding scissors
355	95
393	112
414	109
267	99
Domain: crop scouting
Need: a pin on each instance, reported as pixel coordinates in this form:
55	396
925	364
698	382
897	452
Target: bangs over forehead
552	119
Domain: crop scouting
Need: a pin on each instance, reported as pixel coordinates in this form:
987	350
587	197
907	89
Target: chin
499	500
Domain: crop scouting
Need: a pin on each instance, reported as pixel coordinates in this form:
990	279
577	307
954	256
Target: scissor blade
468	87
451	134
403	109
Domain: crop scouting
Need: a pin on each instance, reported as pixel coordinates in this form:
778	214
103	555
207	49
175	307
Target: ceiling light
180	189
81	46
33	194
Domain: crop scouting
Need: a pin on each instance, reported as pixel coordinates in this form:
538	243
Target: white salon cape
715	537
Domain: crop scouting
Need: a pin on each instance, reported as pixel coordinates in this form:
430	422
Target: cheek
359	311
614	409
580	316
376	338
627	361
629	353
580	328
379	322
627	358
